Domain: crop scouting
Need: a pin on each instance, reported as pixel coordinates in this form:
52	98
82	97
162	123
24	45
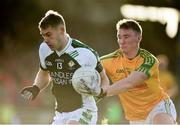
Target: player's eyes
48	35
125	36
45	35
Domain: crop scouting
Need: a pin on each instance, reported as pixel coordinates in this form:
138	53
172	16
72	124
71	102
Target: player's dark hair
129	24
52	19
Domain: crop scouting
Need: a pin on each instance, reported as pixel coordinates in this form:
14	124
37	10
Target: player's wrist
36	89
102	93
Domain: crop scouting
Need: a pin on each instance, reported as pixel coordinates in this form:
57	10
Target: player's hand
89	89
102	93
30	92
100	96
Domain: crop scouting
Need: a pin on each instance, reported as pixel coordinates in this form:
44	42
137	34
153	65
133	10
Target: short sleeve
149	66
44	51
88	58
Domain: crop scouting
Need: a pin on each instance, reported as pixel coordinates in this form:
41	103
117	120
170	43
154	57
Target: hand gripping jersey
61	66
138	101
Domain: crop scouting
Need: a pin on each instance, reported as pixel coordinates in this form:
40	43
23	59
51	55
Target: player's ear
62	28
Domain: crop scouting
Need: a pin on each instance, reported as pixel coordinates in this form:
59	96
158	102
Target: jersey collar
131	60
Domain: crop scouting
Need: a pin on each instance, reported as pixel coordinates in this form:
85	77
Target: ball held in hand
86	80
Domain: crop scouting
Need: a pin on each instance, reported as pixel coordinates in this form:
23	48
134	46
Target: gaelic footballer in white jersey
61	66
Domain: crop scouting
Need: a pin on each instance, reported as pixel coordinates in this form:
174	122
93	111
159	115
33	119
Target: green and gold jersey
140	100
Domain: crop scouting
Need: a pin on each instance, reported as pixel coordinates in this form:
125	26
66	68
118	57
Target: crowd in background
95	25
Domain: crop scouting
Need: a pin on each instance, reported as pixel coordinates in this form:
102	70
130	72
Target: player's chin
52	48
125	50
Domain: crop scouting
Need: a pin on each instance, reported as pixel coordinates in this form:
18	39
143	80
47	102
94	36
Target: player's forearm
42	79
134	79
119	87
104	80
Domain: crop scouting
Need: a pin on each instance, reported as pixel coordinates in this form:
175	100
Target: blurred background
92	22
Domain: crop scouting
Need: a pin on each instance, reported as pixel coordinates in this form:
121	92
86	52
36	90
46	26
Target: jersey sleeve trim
42	67
99	67
78	44
148	63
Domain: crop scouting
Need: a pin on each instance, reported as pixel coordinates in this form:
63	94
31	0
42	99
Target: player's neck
132	54
64	43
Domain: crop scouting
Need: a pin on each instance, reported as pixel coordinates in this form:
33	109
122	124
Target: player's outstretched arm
134	79
41	81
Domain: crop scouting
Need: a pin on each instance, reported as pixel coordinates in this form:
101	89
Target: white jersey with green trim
61	65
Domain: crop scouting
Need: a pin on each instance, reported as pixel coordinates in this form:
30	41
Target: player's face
53	37
128	40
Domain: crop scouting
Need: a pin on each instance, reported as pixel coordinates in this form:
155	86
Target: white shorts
164	106
84	116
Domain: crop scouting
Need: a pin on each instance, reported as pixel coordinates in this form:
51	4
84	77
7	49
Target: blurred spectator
168	80
111	112
7	82
8	114
114	112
